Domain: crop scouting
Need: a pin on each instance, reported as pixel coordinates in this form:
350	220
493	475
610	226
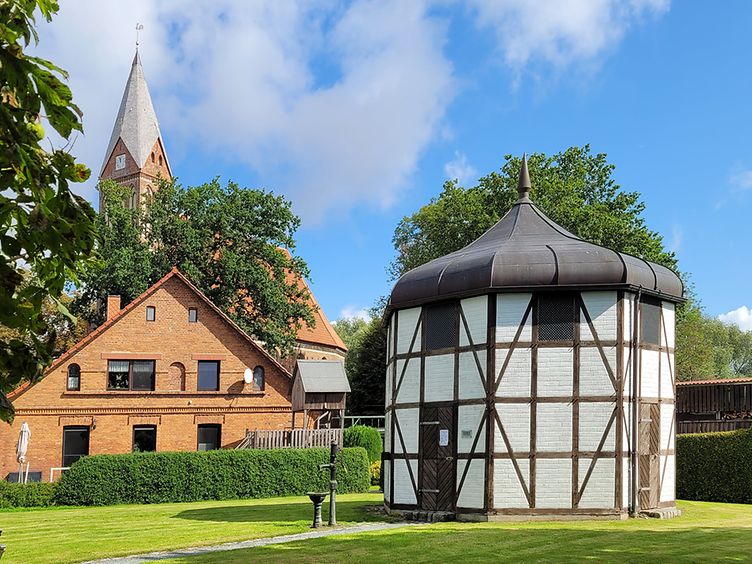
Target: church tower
136	155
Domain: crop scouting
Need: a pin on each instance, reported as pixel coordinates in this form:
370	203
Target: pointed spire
523	182
136	123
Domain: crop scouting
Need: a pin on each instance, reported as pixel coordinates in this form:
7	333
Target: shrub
159	477
715	466
376	473
26	495
367	437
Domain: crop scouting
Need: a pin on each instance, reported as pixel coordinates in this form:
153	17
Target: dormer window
120	162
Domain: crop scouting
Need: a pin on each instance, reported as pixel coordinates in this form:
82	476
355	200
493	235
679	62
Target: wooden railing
291	438
688	427
377	421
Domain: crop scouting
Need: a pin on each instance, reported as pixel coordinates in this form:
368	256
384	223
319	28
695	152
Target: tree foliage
574	187
366	365
45	228
350	330
229	241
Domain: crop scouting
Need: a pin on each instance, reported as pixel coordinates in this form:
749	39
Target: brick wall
48	407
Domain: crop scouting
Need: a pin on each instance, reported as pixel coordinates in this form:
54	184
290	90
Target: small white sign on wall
443	437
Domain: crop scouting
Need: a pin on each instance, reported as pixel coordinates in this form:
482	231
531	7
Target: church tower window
120	162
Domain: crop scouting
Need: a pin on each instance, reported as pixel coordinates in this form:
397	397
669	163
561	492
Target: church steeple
135	154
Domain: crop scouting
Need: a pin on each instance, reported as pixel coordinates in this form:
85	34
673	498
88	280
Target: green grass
707	532
83	533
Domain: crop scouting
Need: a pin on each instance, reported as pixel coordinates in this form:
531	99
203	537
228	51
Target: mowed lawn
58	535
707	532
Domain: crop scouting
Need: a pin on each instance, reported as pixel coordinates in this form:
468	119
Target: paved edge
194	551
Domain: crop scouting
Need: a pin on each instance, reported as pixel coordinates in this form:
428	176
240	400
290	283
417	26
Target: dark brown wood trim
579	308
392	416
618	486
534	398
478	510
419	495
555	399
473	456
488	500
404	456
557	454
439	352
584	343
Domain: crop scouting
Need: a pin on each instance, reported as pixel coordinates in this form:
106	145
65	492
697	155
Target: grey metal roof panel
322	376
526	249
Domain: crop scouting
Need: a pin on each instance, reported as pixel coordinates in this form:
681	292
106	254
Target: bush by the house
367	437
376	473
26	495
715	466
159	477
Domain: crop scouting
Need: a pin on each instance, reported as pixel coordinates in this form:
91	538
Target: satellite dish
248	376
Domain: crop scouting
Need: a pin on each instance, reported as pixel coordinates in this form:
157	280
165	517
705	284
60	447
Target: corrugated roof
136	123
322	376
527	250
717	381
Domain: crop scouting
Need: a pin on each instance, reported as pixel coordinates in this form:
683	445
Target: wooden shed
530	374
704	406
319	390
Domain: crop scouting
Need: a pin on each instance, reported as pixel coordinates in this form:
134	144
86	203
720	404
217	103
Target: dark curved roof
527	250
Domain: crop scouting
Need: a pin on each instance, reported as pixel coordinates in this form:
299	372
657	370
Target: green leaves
48	230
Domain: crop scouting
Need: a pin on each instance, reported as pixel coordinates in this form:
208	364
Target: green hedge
715	466
159	477
367	437
26	495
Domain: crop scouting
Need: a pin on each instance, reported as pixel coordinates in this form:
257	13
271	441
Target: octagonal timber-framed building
530	375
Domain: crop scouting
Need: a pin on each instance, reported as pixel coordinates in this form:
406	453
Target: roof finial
523	183
139	27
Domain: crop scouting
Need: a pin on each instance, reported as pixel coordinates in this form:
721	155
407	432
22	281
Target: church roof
528	250
136	123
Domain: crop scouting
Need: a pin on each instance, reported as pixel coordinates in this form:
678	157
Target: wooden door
649	454
437	461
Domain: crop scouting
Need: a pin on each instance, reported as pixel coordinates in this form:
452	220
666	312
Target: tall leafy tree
227	240
574	187
45	229
366	369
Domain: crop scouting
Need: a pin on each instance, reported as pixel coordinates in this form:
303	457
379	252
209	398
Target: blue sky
359	111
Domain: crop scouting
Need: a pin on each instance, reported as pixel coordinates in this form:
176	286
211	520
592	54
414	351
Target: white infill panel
388	384
594	378
385	470
469	419
473	488
669	320
403	486
409	388
388	431
600	488
628	365
667	382
508	491
510	309
471	385
626	427
515	381
408	424
628	316
555	369
649	374
515	418
407	319
553	483
594	418
439	378
601	306
668	478
668	430
389	337
554	430
476	315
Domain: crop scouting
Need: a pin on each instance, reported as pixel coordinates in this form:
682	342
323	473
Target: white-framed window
120	162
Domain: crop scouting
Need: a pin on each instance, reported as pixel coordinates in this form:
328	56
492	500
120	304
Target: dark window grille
209	437
441	326
145	438
650	310
75	444
556	318
208	375
74	377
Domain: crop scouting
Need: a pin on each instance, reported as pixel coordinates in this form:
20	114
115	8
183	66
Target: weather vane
139	27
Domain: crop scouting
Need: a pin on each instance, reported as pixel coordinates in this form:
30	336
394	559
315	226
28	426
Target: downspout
634	400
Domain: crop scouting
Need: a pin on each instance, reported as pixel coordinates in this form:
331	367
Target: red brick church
170	371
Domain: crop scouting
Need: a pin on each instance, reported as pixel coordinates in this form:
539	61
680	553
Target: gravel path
313	534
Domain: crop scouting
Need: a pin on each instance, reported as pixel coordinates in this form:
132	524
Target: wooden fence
686	427
291	438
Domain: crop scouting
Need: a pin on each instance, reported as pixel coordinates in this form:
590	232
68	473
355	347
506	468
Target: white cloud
741	317
741	181
354	312
561	32
459	169
331	105
677	237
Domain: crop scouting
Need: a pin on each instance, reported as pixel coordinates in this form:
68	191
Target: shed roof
527	250
322	376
